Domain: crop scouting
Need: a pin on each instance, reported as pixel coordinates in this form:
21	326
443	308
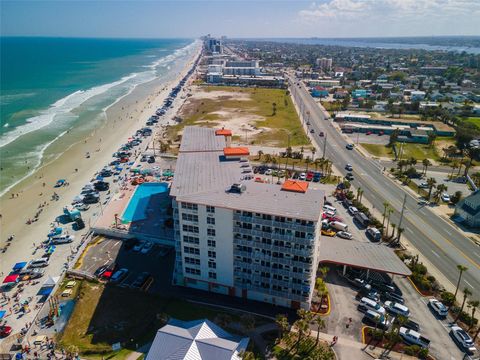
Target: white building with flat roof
238	237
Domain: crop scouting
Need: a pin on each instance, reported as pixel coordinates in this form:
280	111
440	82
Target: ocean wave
7	99
63	106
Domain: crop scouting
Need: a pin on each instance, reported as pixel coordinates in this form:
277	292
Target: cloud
389	9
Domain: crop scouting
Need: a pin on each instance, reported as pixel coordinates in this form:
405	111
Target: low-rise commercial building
467	210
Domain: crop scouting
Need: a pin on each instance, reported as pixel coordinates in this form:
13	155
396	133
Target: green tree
466	294
473	304
461	269
426	163
260	154
431	184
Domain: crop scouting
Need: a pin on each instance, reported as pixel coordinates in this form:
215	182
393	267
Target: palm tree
320	325
461	270
426	163
313	150
358	194
282	323
473	304
389	213
307	161
393	230
399	234
317	163
441	188
466	294
454	166
259	153
431	184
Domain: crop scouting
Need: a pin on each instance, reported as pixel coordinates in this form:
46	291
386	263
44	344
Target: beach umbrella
11	279
51	249
146	171
100	178
2	313
19	356
19	266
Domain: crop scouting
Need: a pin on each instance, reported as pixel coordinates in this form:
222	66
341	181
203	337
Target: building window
212	275
211	232
210	209
189	217
212	254
192	271
189	206
190	228
211	220
191	239
191	250
211	243
212	264
193	261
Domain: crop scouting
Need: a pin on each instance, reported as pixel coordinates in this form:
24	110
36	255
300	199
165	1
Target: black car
412	325
141	280
79	224
101	186
151	159
130	243
391	296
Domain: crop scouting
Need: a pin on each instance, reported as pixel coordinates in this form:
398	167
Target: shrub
375	334
448	298
467	319
419	269
431	278
412	350
423	353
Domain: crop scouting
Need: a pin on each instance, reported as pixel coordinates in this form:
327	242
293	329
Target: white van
339	225
329	208
367	304
42	262
62	239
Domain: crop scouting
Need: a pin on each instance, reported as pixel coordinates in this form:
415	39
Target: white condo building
239	237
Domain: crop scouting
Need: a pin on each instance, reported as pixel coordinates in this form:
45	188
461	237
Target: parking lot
442	178
344	302
358	138
158	262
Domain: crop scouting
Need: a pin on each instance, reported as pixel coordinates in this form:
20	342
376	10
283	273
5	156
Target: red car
369	133
309	176
124	160
5	331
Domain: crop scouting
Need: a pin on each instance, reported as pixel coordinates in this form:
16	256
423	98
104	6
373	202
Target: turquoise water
51	86
138	204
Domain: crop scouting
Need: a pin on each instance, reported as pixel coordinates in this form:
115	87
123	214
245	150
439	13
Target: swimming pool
138	204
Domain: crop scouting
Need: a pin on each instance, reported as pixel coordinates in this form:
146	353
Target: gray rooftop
203	174
362	255
196	138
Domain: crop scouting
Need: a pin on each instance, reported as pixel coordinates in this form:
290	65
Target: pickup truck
413	337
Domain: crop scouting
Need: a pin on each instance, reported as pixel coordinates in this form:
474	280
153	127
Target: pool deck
150	228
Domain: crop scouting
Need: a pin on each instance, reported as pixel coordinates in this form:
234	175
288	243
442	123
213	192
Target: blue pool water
136	209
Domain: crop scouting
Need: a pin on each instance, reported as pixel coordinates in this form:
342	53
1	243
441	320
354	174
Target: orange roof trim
224	132
236	151
295	186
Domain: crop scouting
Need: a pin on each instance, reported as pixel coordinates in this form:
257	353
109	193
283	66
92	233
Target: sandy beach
22	202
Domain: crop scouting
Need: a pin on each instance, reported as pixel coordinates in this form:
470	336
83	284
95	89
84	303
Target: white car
147	247
438	308
302	176
423	185
138	246
344	235
397	308
268	172
446	197
82	206
462	339
348	167
352	210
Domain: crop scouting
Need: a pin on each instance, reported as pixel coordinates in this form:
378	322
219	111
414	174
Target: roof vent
237	188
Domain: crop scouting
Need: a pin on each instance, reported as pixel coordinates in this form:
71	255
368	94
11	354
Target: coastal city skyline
190	19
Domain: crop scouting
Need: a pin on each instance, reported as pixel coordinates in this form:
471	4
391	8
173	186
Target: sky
233	18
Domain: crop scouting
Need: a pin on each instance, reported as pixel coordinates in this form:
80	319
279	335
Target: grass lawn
473	120
417	151
105	314
285	122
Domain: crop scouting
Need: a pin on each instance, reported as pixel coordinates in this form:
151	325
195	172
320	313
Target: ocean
51	86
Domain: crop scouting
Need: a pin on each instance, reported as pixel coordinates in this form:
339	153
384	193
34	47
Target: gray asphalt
438	241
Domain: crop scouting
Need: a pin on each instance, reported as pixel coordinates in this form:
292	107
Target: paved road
437	240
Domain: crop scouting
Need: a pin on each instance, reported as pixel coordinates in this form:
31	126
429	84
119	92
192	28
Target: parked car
302	176
62	239
81	206
146	247
438	308
397	308
119	275
412	325
352	210
344	235
37	263
328	233
368	304
138	246
5	330
445	197
462	339
374	234
423	185
414	338
373	318
141	280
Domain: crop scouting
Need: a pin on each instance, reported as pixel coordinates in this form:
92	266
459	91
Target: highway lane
439	242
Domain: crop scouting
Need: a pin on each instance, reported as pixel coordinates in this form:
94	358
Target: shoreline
122	119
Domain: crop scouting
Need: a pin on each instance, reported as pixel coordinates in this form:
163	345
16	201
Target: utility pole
401	213
324	146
